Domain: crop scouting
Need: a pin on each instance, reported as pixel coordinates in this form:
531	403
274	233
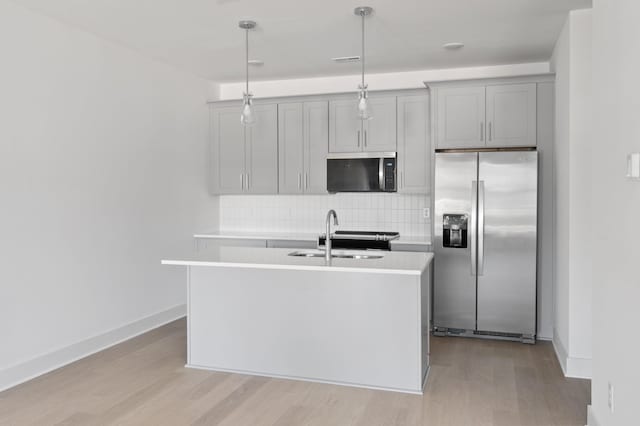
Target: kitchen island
352	321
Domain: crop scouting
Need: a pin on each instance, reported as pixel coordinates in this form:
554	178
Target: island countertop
408	263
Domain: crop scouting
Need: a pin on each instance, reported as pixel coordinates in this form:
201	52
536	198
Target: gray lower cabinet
496	116
347	133
244	160
302	145
414	147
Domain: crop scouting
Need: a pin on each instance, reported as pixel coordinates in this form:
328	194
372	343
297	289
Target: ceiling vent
346	59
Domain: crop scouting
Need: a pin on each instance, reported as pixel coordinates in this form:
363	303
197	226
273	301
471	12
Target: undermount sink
338	254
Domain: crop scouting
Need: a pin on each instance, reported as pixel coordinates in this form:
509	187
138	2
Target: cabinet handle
482	131
299	180
248	181
358	138
306	180
365	138
241	180
490	130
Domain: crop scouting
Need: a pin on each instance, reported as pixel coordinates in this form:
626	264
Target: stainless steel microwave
362	172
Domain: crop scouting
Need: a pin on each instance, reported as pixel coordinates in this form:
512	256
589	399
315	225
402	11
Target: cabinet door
414	147
228	156
460	117
262	152
345	129
291	141
380	132
511	115
316	143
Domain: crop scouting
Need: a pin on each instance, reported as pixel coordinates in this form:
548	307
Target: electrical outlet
610	402
426	213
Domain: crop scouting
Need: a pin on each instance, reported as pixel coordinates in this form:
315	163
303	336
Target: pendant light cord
362	14
246	39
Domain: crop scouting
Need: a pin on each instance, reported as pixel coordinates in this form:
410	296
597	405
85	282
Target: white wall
616	290
102	173
572	205
380	81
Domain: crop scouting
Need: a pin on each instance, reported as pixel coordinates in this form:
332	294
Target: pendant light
247	116
364	108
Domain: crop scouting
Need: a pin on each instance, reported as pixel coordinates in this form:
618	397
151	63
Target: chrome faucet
327	241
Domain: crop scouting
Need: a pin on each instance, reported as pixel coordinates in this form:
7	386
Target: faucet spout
327	242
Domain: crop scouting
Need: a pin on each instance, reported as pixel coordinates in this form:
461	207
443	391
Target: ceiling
297	38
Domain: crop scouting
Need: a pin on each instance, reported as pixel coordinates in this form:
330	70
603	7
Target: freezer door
454	277
507	228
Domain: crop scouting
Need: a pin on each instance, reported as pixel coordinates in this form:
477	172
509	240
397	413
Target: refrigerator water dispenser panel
454	230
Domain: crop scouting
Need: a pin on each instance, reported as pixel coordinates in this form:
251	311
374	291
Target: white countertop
274	258
241	235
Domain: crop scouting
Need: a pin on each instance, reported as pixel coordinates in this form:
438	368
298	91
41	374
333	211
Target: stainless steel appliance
369	173
485	236
362	240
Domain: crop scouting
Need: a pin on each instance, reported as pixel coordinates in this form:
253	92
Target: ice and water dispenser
454	230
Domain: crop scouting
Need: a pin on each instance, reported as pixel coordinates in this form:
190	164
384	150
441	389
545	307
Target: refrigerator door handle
474	221
480	227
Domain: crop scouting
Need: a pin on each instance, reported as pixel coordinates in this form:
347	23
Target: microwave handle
381	174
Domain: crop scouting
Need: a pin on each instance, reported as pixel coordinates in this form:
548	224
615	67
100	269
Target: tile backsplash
306	213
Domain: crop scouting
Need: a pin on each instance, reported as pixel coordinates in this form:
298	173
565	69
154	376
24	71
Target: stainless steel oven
362	172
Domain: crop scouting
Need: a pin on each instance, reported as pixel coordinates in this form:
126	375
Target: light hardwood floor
143	382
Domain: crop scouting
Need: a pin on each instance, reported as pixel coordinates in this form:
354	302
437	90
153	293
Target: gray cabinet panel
262	151
291	135
379	133
414	147
345	129
228	147
461	115
511	115
316	144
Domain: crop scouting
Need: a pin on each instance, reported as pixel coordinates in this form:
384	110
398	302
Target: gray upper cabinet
414	147
345	129
262	151
511	115
244	160
290	148
303	134
379	133
316	143
347	133
460	117
227	163
486	116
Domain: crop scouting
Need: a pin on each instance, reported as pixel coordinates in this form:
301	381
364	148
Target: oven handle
381	173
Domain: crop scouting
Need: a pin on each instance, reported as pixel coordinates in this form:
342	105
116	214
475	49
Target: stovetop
378	240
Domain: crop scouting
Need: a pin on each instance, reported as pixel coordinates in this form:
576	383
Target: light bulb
247	117
364	107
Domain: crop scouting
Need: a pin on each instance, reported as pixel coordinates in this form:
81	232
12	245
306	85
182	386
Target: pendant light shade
247	117
364	106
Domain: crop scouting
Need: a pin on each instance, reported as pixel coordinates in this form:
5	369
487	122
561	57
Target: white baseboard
38	366
579	368
591	418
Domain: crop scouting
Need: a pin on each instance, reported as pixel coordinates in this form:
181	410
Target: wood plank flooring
143	382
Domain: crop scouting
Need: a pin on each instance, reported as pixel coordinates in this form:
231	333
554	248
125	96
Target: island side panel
355	328
425	324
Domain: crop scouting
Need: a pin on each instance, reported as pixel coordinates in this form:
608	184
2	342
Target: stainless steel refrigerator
485	241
